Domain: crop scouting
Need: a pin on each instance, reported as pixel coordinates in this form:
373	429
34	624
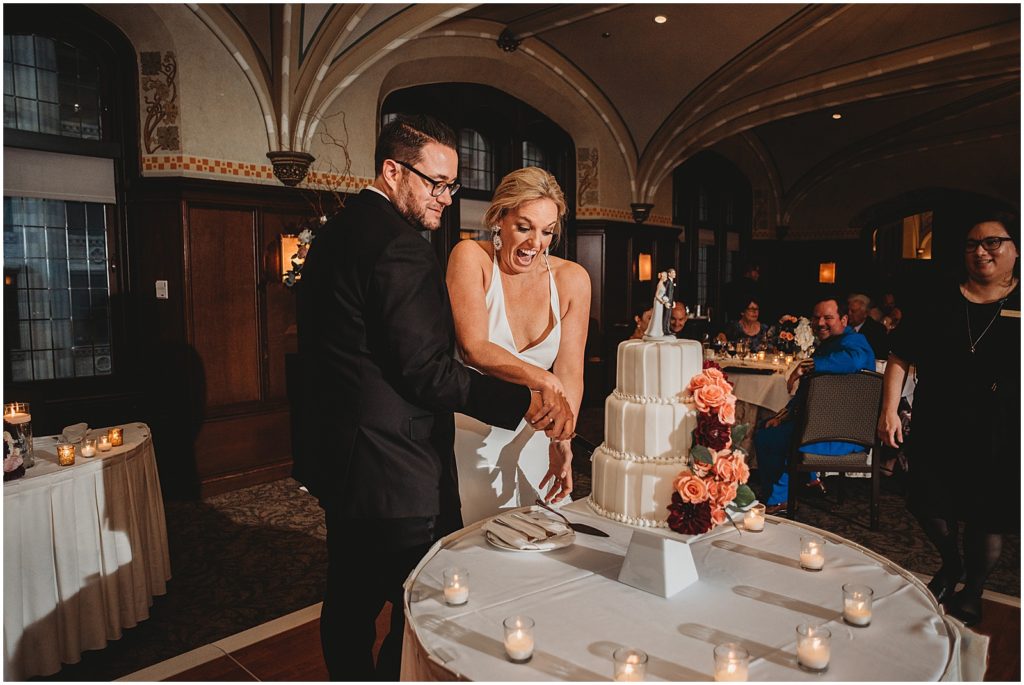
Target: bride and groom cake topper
661	315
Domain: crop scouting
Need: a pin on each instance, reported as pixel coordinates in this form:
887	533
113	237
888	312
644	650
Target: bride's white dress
502	469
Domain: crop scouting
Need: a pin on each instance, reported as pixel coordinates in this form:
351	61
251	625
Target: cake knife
578	527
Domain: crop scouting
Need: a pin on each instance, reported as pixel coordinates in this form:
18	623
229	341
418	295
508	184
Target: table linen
751	591
85	551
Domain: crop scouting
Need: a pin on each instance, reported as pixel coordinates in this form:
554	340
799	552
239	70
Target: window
476	160
388	118
534	156
55	257
51	87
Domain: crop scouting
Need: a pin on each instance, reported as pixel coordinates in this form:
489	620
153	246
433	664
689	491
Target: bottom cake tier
633	491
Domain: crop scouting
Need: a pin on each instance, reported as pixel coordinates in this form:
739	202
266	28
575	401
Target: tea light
65	454
519	638
789	359
813	647
456	586
16	413
116	436
104	443
760	356
732	661
630	665
89	447
753	520
857	604
812	555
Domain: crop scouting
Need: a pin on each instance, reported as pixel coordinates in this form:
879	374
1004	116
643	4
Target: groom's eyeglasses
437	188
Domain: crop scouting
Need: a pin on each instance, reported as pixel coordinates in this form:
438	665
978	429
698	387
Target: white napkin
75	432
517	533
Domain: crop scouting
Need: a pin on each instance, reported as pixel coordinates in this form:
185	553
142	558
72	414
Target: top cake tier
657	370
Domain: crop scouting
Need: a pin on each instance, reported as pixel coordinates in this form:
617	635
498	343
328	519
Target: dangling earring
496	238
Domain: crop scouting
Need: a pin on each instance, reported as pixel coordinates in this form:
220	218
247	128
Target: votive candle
753	520
812	553
519	638
456	586
116	436
813	647
89	447
65	454
857	601
630	665
732	662
104	443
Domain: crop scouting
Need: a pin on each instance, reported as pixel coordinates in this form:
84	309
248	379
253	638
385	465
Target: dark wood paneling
242	444
279	301
225	326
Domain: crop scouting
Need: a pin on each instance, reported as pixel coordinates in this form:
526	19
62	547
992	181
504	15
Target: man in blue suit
840	349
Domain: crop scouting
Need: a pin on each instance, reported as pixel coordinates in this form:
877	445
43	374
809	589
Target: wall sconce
827	272
289	248
644	266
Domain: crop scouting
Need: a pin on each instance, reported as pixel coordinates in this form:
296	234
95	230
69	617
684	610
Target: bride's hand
559	471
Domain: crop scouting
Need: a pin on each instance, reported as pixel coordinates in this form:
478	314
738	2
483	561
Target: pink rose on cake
709	397
727	412
691	488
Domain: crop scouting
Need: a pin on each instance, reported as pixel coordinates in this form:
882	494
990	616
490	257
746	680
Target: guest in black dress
964	449
747	328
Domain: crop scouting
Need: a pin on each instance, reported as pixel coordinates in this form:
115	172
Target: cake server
578	527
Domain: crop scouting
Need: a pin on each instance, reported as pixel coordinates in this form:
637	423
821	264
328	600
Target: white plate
559	541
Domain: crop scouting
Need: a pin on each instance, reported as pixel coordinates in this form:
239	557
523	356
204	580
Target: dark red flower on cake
689	519
712	433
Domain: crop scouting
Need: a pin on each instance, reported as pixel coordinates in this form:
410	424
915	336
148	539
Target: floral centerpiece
294	274
14	465
793	334
717	474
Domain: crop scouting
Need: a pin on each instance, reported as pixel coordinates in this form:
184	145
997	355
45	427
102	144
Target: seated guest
862	323
685	328
747	328
643	320
840	349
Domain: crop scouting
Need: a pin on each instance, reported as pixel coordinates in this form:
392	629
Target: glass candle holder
630	665
116	436
18	422
518	638
812	553
813	647
732	662
753	520
89	447
456	586
857	604
65	453
103	443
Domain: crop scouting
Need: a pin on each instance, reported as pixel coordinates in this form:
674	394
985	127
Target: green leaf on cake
702	454
744	496
738	432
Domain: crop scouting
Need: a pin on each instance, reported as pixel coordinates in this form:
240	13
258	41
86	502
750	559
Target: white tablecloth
751	590
768	391
85	550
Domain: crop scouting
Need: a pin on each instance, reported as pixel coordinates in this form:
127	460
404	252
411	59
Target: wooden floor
295	653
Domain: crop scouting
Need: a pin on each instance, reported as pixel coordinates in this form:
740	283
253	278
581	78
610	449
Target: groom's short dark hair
404	137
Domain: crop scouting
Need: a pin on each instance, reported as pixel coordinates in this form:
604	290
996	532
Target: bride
520	315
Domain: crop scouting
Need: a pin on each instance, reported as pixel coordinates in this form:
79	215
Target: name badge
1010	313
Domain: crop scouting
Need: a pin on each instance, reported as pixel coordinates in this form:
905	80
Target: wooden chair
839	407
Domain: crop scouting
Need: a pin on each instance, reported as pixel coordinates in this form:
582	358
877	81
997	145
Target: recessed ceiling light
837	115
606	35
660	19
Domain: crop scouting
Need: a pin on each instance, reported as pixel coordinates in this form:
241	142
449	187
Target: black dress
964	442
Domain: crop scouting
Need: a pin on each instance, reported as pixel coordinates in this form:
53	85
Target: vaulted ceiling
939	81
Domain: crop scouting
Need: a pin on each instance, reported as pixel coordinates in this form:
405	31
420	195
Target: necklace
970	336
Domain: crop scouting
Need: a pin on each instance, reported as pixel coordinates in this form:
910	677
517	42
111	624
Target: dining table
751	590
85	551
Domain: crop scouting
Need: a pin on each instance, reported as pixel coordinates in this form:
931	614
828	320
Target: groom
378	401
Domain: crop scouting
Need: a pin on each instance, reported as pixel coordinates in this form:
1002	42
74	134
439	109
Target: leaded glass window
534	156
476	160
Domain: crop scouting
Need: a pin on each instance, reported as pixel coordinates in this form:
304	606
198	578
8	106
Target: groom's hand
550	412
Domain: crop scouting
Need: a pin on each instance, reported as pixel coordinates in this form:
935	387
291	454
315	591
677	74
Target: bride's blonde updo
523	185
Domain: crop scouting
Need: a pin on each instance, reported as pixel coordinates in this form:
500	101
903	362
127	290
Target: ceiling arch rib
895	140
223	25
771	171
962	58
333	76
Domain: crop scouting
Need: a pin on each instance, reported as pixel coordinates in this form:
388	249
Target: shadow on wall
176	389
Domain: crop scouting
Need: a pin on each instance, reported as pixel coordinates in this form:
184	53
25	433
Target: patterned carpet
246	557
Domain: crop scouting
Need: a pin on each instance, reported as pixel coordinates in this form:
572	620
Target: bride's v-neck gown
502	469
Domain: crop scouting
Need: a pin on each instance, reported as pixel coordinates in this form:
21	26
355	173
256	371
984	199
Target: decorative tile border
624	215
191	165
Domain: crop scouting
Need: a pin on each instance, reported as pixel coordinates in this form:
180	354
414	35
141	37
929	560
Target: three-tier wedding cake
649	422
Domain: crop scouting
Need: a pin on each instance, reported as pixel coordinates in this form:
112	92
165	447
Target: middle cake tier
649	430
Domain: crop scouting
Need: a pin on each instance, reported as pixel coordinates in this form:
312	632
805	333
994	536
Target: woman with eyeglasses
520	313
747	328
964	444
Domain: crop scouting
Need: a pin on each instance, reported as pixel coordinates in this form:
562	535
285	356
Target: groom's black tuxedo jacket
379	381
